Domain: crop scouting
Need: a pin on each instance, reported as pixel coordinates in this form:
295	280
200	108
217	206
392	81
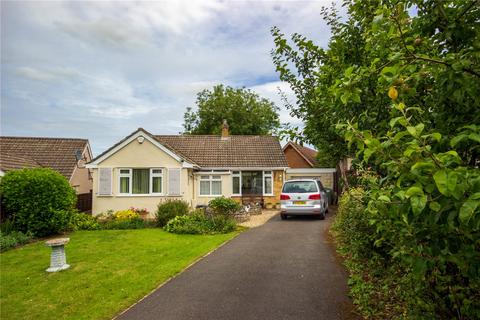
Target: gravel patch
258	220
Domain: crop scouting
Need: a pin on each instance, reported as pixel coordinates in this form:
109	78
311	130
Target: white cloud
102	68
276	91
45	75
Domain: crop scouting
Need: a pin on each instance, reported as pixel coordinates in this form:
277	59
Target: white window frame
266	175
125	175
237	175
150	187
156	175
210	180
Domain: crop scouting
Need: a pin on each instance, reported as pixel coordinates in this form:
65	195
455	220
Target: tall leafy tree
436	51
245	111
397	88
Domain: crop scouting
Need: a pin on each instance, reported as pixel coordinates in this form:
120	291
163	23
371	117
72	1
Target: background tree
245	111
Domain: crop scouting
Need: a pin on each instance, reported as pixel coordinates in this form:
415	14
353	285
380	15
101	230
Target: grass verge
110	270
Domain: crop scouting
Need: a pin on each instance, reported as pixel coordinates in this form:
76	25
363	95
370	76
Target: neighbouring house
143	170
66	155
303	164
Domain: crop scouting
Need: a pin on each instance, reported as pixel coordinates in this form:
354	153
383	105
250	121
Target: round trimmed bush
170	209
224	206
39	200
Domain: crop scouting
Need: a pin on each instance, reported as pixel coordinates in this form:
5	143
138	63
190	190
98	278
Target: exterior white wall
226	189
136	155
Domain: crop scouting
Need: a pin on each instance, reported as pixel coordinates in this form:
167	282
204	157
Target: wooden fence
84	202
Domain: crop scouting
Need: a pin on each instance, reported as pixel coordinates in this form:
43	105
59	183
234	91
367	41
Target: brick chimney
225	133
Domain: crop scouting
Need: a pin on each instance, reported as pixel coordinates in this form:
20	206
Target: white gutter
245	168
311	170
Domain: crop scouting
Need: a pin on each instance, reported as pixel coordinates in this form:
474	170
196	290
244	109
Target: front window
125	176
140	181
252	183
157	178
210	185
267	179
236	182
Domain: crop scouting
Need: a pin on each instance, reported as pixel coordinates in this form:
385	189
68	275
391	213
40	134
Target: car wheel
321	216
283	216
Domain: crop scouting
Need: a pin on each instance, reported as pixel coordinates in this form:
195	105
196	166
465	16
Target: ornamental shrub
83	221
40	200
132	223
13	239
123	219
198	223
170	209
124	215
224	206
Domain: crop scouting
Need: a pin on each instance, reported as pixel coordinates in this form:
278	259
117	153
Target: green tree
245	111
436	51
397	88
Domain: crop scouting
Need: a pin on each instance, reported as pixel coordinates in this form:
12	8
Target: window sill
140	195
210	196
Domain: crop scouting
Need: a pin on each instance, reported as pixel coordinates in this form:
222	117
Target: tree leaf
412	191
468	209
412	131
418	203
474	137
419	128
437	136
435	206
457	139
384	198
440	178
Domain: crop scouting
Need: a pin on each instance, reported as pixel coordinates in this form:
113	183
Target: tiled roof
234	151
55	153
309	154
9	162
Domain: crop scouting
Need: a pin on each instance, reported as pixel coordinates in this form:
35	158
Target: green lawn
110	270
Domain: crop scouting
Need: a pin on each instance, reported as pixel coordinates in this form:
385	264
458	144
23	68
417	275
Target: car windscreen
300	187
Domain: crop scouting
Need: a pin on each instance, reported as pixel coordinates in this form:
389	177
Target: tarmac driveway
281	270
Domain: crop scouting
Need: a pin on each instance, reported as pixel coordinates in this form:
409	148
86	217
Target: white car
303	197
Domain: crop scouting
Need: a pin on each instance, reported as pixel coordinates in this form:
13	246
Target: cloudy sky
99	70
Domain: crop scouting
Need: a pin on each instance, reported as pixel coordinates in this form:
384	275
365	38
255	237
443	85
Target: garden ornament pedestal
58	260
